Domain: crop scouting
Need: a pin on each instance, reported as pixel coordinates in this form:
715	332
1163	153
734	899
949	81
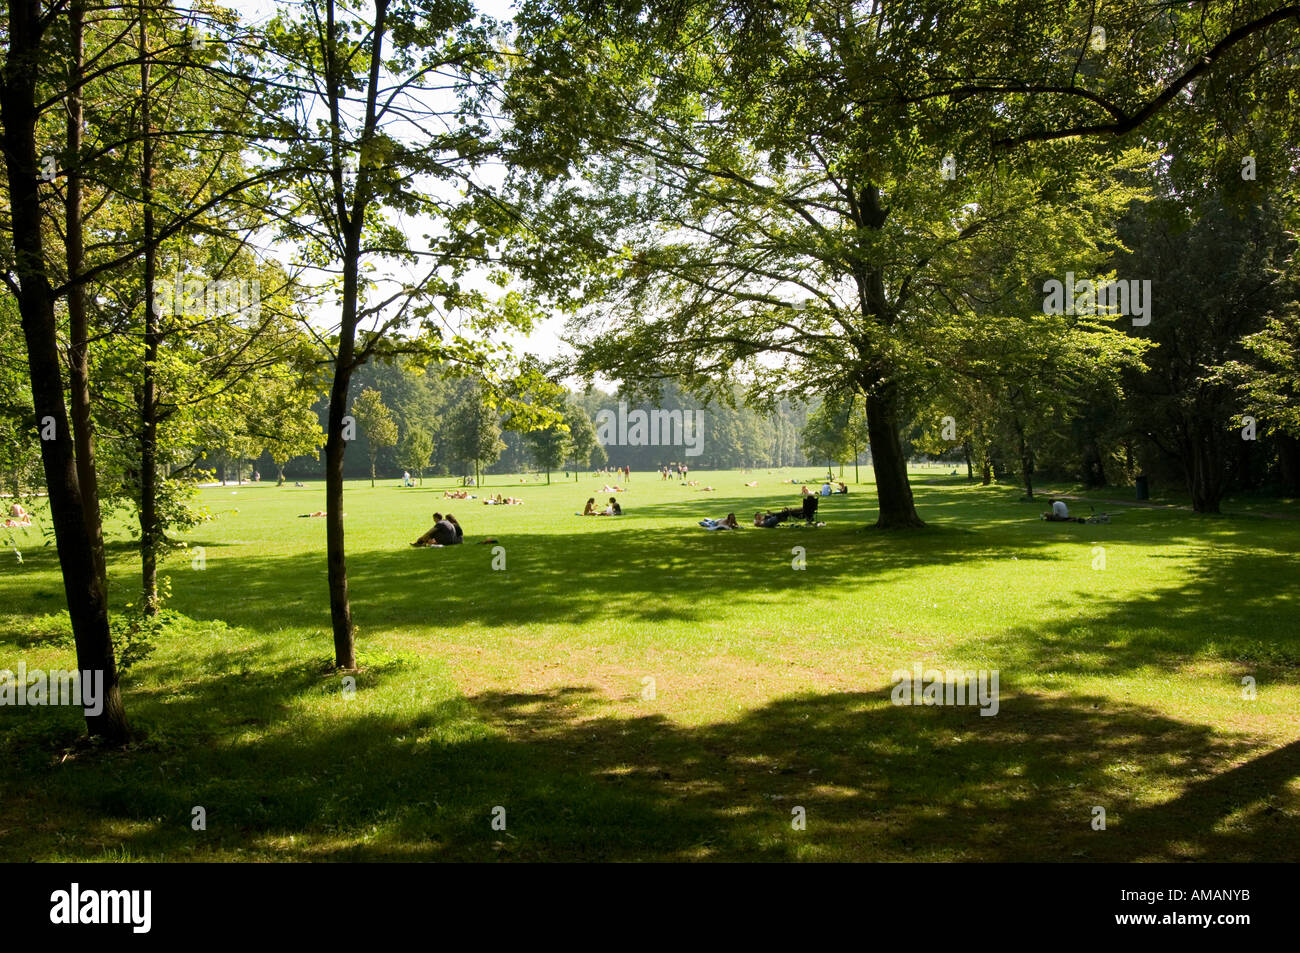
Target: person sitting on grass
612	510
427	538
809	509
1059	513
590	508
727	522
17	512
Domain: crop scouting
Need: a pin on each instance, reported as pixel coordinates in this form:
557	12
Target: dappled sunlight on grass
639	688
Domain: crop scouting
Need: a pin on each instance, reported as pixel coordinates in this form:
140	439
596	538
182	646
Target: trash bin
1143	488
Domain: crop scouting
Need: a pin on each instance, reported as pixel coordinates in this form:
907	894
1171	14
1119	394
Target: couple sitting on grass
445	532
612	510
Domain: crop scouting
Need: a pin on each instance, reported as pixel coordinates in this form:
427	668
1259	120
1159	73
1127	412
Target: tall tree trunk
351	218
1288	456
897	509
87	604
83	434
149	391
335	447
1206	482
970	464
1026	460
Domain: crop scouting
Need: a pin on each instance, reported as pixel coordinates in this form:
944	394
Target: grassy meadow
638	688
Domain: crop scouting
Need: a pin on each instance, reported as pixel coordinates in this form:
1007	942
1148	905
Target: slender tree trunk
152	336
897	509
83	434
335	447
1026	461
87	604
1206	482
970	464
1288	455
351	218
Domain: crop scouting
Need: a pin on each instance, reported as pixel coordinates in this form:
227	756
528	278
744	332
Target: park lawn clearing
638	688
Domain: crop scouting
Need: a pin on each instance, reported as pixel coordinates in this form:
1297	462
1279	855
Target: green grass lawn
641	689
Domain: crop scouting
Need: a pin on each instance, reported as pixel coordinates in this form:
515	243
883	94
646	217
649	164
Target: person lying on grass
727	522
444	532
770	520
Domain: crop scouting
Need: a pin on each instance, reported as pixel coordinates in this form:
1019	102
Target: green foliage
836	431
476	429
414	452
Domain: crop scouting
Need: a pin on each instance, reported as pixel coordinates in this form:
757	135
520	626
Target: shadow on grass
1234	602
572	577
577	782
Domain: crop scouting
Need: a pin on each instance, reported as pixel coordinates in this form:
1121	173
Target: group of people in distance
445	532
624	472
613	509
828	488
678	469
